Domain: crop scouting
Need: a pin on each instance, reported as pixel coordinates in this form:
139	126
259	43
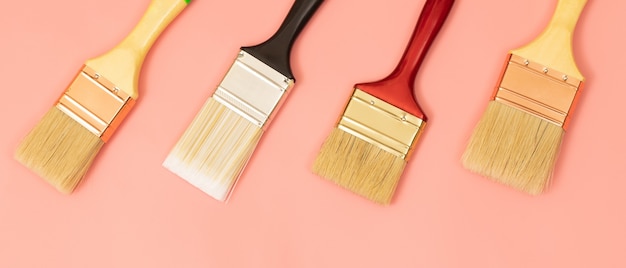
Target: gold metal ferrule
95	103
253	89
538	90
380	123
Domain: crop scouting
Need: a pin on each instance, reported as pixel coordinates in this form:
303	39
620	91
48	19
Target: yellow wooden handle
122	64
553	48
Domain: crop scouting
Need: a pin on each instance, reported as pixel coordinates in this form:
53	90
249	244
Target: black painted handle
276	51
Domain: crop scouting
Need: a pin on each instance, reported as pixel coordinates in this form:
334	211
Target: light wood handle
553	48
122	64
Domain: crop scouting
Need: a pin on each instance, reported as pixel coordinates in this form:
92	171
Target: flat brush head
514	148
215	148
517	140
379	128
64	143
62	146
59	149
359	166
367	152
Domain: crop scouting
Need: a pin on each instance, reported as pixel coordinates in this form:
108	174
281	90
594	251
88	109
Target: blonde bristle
513	147
59	149
214	149
359	166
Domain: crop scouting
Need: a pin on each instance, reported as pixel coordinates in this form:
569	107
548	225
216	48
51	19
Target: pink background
131	212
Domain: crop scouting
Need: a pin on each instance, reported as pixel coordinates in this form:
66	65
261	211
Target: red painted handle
397	88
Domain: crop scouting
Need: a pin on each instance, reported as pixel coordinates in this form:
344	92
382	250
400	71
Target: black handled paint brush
62	146
368	150
215	148
517	140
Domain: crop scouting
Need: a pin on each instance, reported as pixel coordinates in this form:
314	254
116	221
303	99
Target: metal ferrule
538	90
253	89
380	123
95	103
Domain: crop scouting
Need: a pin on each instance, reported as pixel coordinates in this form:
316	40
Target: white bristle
214	149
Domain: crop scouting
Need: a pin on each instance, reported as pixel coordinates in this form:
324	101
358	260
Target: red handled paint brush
368	150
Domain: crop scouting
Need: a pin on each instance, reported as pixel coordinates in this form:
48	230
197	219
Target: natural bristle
59	149
359	166
513	147
214	149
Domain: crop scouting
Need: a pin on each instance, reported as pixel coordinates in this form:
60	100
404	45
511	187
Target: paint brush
213	151
517	140
368	149
63	145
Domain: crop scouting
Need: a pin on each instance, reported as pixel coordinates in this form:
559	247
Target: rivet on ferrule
380	123
95	103
532	88
253	89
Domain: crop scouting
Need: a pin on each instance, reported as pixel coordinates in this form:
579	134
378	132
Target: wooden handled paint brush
517	140
367	151
215	148
62	146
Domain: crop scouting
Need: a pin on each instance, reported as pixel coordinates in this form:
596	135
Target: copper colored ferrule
380	123
538	90
95	103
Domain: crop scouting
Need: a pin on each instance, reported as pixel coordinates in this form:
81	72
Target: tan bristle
214	149
513	147
359	166
59	149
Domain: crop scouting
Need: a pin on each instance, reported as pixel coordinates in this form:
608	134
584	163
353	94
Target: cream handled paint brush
215	148
368	150
517	140
62	146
